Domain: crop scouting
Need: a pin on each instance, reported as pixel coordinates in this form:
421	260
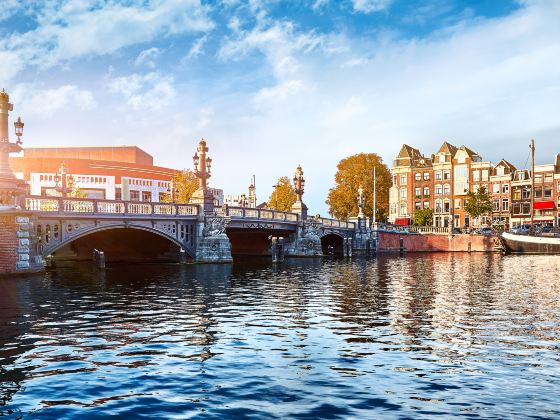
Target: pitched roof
505	163
447	148
469	151
408	152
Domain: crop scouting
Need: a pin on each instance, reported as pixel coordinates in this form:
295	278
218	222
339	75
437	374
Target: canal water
414	337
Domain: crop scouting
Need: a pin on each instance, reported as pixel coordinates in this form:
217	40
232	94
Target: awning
544	205
403	221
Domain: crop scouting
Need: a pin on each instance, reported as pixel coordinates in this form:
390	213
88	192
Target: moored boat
524	244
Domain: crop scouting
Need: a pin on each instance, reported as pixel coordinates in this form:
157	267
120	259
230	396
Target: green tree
283	196
423	217
353	172
185	183
478	203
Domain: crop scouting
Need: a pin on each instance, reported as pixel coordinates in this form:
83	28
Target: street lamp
276	196
18	125
63	181
204	163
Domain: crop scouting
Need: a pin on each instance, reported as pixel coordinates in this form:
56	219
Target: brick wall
390	242
8	243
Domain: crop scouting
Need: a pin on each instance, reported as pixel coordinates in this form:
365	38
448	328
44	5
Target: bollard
274	249
280	249
101	260
373	247
401	245
182	256
345	247
469	247
349	247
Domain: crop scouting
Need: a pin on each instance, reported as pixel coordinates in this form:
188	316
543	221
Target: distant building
443	180
108	172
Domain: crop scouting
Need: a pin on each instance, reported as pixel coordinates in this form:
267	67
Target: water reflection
423	335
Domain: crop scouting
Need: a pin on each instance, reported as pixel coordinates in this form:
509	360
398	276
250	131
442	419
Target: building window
476	176
403	194
457	203
426	191
446	190
417	192
426	176
538	192
403	209
417	206
446	174
146	196
500	171
403	179
496	205
441	158
418	176
548	177
505	189
426	204
526	193
446	207
485	174
461	159
547	192
538	178
496	188
134	195
505	204
438	189
438	177
438	206
118	194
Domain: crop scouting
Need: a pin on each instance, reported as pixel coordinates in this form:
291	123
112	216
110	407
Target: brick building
442	181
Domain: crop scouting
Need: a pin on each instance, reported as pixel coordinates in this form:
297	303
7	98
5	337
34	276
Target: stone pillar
306	242
18	253
18	245
212	243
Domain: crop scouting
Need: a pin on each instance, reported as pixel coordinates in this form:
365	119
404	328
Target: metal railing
429	229
92	206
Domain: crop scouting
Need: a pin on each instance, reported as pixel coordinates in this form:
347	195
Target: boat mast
532	146
374	196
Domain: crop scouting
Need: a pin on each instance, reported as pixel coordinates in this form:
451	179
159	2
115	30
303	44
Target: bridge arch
53	246
332	242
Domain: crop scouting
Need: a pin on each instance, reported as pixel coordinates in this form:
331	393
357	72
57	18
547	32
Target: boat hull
522	244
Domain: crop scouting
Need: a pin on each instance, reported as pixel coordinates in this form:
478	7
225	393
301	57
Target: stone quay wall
390	242
16	250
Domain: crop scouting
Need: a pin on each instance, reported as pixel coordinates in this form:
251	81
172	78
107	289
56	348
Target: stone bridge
76	226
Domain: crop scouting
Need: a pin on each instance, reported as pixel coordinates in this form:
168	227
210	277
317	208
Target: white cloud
148	57
318	4
151	91
44	103
370	6
197	47
280	91
279	42
71	30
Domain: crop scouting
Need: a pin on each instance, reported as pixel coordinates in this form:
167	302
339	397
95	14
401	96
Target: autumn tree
184	183
478	203
353	172
283	196
423	217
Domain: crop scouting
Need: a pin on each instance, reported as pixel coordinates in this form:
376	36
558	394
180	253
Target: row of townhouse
442	181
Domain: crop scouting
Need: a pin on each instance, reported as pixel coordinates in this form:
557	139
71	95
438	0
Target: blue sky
272	84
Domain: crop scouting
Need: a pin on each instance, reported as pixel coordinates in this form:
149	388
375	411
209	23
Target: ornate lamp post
360	202
10	186
203	171
63	181
299	184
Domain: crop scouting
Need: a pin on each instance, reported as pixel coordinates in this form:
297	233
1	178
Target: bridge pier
18	244
212	243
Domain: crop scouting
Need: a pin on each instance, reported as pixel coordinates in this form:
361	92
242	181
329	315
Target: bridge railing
429	229
92	206
337	223
268	214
